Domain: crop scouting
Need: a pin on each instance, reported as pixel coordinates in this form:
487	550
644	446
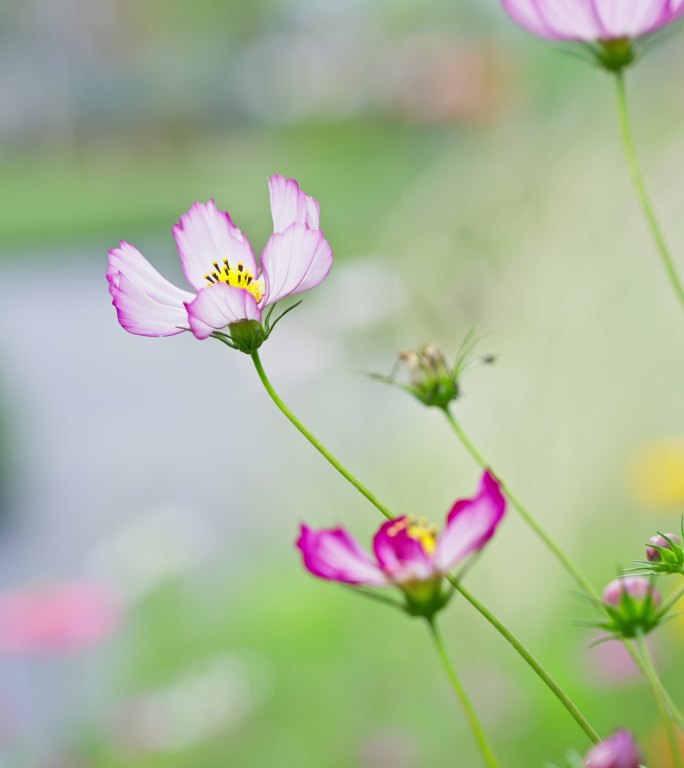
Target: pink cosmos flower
56	619
408	553
219	263
593	20
619	751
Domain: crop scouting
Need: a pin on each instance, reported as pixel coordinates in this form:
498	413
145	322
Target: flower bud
633	606
619	751
654	555
635	588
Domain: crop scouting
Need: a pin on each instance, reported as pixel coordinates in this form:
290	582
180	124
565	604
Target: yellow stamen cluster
420	529
238	277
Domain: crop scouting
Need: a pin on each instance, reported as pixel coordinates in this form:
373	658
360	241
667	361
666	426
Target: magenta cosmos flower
619	751
408	553
609	24
231	288
56	619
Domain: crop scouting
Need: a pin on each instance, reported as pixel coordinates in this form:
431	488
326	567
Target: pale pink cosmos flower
593	20
618	751
408	553
218	261
57	619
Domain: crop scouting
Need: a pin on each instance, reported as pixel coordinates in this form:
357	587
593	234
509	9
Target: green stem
475	725
360	487
569	566
642	194
498	625
661	698
560	694
572	569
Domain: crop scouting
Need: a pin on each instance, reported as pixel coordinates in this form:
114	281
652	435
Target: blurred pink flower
219	263
56	619
618	751
408	553
593	20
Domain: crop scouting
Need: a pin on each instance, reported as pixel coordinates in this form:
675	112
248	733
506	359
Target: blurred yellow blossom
657	473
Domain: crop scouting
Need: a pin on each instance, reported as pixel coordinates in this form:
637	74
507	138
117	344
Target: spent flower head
408	553
428	376
232	290
609	30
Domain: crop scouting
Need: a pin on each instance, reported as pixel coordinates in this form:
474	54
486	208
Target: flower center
238	277
419	529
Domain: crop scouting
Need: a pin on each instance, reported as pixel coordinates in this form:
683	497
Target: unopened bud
653	554
636	588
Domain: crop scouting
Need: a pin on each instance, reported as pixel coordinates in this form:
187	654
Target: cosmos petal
290	205
294	261
471	524
219	305
206	236
336	556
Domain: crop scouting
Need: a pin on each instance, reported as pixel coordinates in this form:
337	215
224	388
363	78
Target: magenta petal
205	235
294	261
290	205
470	524
217	306
401	556
146	303
336	556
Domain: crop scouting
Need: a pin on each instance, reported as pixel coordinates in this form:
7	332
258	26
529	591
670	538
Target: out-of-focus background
468	175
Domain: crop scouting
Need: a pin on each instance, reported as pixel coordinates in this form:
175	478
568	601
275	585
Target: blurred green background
469	176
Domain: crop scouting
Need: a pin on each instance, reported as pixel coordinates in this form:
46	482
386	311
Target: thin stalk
661	698
360	487
496	623
640	187
569	566
471	715
560	694
572	569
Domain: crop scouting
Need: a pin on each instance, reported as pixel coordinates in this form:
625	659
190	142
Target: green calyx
425	598
248	335
614	55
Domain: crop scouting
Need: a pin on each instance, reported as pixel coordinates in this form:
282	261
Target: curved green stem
498	625
572	569
471	715
569	566
639	185
661	698
560	694
360	487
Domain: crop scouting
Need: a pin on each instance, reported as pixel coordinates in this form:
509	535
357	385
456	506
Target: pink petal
205	235
64	618
470	524
146	303
217	306
334	555
593	20
289	205
294	261
618	751
401	557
